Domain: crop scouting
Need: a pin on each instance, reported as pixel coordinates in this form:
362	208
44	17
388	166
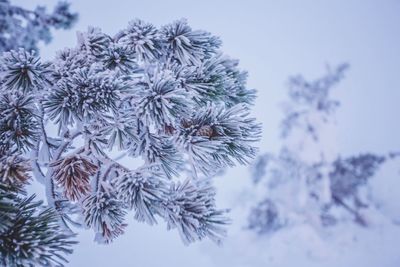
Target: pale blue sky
272	39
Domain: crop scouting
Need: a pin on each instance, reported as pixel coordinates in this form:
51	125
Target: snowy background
274	39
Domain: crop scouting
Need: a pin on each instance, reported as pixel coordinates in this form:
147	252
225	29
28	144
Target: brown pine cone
206	131
186	123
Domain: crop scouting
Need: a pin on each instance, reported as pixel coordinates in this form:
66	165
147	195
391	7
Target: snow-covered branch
166	96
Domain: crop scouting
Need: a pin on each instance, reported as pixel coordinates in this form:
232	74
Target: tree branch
49	184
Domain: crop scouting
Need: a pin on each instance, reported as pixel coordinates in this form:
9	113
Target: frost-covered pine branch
30	234
23	28
166	96
307	181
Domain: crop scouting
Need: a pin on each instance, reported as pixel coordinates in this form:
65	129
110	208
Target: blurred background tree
308	181
23	28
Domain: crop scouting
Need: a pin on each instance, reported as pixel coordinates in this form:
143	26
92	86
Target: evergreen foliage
163	95
30	234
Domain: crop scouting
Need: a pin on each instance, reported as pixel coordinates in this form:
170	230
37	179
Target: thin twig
49	184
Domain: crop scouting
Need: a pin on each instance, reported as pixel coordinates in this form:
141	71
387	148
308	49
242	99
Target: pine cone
169	129
206	131
73	173
186	123
14	170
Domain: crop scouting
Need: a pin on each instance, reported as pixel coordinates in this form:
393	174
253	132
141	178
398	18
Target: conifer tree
308	181
23	28
166	96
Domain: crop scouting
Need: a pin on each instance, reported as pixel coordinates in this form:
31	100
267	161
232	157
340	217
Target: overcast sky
272	40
